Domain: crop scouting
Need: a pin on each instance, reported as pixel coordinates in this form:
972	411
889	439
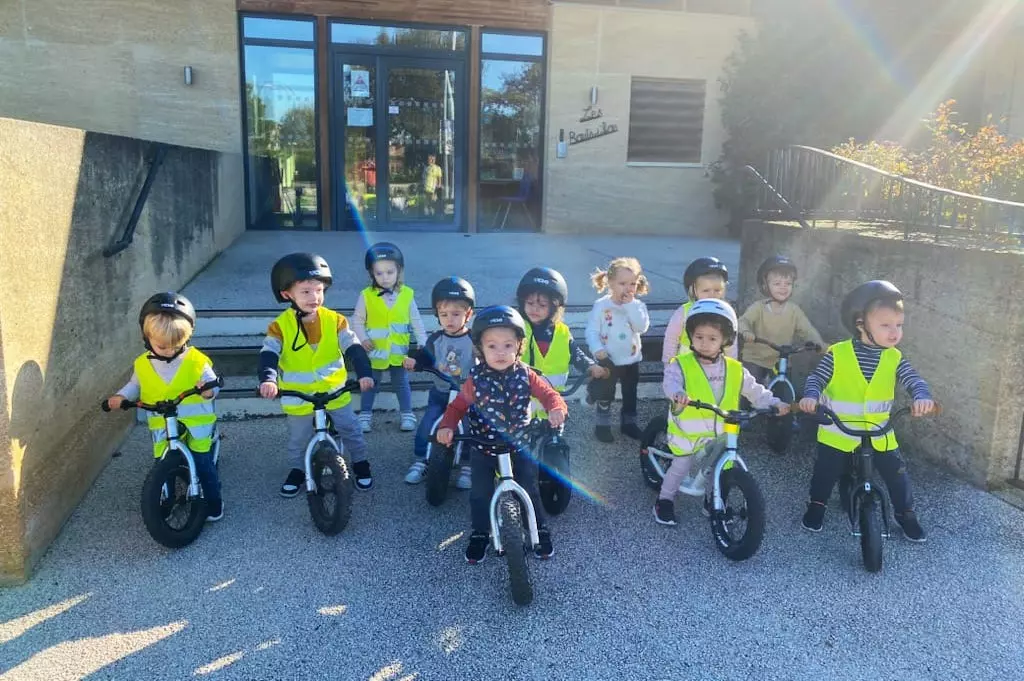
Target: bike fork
508	484
867	491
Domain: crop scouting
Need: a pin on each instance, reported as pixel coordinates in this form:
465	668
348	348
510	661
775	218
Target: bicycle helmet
452	288
543	280
857	301
713	310
168	303
701	267
383	250
776	263
298	267
495	317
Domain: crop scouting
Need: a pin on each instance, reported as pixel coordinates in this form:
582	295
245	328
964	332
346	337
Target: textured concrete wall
964	330
115	67
593	189
68	323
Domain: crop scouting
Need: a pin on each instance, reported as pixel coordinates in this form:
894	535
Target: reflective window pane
359	89
413	38
505	43
277	29
280	107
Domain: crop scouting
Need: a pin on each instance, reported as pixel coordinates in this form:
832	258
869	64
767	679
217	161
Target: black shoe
361	472
631	430
295	480
604	434
814	517
911	528
664	512
477	549
215	512
543	550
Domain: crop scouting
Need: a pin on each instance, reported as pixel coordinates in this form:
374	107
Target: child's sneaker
364	479
664	512
912	530
477	549
543	550
604	433
366	421
408	422
631	430
215	512
416	471
465	480
295	480
814	517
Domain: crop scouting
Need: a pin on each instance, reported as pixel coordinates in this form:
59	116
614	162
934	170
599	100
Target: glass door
357	123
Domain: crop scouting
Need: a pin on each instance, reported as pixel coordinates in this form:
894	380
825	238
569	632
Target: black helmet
543	280
383	251
701	267
168	303
858	300
298	267
497	316
452	288
776	263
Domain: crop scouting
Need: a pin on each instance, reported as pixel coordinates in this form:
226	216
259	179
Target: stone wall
964	329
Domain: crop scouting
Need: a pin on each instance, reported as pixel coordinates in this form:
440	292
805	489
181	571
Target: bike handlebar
321	399
826	417
733	416
165	406
787	350
577	384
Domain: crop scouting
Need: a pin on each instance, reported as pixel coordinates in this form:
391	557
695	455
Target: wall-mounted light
188	75
593	96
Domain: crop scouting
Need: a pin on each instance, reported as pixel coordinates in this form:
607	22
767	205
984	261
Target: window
282	178
666	120
395	36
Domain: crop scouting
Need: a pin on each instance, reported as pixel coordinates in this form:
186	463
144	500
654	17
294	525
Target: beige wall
115	67
593	189
68	322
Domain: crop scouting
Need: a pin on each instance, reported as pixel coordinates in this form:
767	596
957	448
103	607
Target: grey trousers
300	430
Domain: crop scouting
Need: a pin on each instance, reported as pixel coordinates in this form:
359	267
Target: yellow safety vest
307	370
388	327
859	404
691	428
684	338
554	366
195	413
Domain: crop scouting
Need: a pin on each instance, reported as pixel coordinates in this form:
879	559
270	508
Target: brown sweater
782	327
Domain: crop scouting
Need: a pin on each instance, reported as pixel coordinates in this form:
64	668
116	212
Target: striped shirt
867	359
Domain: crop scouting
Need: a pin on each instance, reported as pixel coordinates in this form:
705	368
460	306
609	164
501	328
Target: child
170	368
703	278
432	177
704	374
775	318
385	317
305	350
613	334
500	389
853	376
550	347
450	351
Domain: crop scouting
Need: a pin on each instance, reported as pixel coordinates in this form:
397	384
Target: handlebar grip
127	406
105	406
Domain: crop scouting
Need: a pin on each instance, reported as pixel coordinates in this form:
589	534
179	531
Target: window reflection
366	34
277	29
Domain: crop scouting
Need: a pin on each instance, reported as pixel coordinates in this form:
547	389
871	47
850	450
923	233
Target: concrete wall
1004	83
964	331
115	67
593	189
68	322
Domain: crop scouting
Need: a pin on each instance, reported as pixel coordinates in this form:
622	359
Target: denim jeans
400	384
437	402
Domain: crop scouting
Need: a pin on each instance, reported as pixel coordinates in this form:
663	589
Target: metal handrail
159	153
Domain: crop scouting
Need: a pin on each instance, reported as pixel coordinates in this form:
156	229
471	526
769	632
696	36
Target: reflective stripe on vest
195	413
859	404
553	366
684	339
388	327
311	371
691	428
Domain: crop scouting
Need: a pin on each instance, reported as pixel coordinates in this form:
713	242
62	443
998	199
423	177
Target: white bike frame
508	484
662	460
175	444
320	434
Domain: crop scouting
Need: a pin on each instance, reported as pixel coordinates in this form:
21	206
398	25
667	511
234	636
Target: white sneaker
416	471
408	422
465	480
366	421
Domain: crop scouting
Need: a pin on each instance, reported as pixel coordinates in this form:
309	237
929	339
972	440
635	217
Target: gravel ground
262	595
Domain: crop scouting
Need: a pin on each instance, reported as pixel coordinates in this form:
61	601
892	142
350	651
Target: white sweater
616	329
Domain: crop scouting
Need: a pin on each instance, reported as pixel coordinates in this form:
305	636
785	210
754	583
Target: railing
154	163
824	187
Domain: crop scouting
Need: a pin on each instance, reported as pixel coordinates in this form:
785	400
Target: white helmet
702	309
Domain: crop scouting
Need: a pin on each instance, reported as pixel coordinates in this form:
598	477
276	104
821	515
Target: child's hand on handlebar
409	363
922	407
601	355
444	436
556	417
367	345
598	371
365	384
206	394
268	389
782	408
680	400
748	337
808	405
115	402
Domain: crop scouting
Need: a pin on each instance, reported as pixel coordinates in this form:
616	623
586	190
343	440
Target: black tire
655	435
439	473
779	429
749	512
553	478
174	520
512	532
330	504
870	521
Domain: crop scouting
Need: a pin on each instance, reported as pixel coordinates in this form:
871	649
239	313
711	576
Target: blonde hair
600	278
399	280
167	329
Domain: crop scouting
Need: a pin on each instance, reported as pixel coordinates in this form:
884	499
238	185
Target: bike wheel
330	503
655	435
739	529
870	534
439	473
779	429
171	517
512	531
554	478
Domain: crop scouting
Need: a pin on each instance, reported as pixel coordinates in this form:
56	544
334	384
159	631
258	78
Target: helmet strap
706	357
177	353
301	330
